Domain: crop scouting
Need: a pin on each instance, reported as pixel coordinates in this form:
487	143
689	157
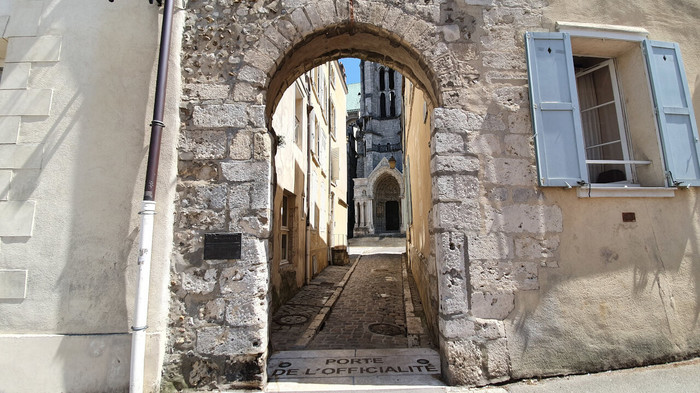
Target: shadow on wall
95	148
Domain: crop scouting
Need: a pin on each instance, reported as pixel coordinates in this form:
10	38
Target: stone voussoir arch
273	48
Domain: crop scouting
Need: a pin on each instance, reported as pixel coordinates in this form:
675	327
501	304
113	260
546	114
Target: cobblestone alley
363	305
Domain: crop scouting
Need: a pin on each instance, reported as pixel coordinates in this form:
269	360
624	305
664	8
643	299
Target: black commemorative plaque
222	246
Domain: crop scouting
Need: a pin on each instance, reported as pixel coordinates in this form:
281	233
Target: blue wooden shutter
674	112
556	119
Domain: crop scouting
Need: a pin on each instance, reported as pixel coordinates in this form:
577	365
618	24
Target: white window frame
621	123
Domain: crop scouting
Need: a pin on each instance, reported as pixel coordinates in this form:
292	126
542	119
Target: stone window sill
626	192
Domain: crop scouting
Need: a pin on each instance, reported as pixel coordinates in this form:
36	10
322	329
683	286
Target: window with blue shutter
555	113
595	145
674	111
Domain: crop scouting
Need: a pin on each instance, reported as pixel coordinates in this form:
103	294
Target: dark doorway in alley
392	215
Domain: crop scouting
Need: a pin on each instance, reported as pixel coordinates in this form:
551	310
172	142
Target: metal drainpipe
148	209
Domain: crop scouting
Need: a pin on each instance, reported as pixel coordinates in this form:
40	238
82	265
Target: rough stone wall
489	223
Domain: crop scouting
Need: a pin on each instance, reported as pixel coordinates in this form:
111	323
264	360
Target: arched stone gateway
238	58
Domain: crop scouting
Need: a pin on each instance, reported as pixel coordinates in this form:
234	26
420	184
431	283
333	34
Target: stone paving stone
292	319
373	295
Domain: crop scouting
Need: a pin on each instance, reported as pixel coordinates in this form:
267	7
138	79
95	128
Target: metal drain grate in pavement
292	319
386	329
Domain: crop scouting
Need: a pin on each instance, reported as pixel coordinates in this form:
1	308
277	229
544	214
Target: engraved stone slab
353	363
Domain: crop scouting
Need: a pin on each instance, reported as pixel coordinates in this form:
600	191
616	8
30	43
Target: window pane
601	125
284	211
285	238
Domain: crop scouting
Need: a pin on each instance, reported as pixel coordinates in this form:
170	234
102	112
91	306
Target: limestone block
453	120
35	102
513	98
241	171
454	164
260	59
243	91
256	115
243	282
451	33
21	156
492	305
536	248
253	76
449	252
33	49
214	310
13	284
455	188
239	196
25	18
241	146
524	274
5	178
525	218
273	35
224	115
453	295
457	327
202	219
260	194
497	359
9	128
497	193
197	170
246	311
209	196
490	275
490	329
512	59
300	21
17	217
491	246
520	122
202	145
446	143
206	91
286	28
451	215
253	222
15	76
512	171
521	195
461	362
198	281
486	144
519	146
231	341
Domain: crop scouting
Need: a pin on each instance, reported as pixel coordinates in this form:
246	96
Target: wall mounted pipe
148	209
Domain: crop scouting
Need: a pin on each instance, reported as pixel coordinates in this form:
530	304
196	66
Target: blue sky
352	69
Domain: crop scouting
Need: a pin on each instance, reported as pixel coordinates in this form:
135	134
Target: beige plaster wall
81	255
620	294
416	117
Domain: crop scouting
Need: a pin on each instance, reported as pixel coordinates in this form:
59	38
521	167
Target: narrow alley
371	303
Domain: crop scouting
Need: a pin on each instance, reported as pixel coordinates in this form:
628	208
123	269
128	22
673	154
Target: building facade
311	160
378	196
537	257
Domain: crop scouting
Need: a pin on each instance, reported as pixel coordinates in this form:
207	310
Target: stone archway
238	58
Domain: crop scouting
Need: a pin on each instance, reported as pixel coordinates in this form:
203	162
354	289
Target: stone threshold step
354	366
